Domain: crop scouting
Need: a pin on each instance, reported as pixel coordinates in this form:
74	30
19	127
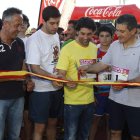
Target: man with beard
78	99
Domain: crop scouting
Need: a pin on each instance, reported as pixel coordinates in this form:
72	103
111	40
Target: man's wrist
88	68
131	81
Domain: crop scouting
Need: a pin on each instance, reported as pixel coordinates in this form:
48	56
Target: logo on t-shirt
55	54
87	61
119	73
2	48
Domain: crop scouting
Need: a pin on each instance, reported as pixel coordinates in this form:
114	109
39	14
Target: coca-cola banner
45	3
106	12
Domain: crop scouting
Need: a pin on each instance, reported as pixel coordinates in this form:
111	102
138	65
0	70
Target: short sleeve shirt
126	64
11	59
43	50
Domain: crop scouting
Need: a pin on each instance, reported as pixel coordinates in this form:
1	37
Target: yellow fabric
14	73
69	61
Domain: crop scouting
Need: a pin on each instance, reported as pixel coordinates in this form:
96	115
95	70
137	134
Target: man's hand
29	85
83	70
118	87
115	87
71	85
57	83
62	74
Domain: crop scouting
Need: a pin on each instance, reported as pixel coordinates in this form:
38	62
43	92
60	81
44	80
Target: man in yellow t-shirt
78	98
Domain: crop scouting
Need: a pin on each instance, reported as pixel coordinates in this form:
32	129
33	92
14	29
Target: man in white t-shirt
42	56
124	58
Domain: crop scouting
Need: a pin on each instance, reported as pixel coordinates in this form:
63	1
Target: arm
29	84
36	69
135	80
95	68
63	74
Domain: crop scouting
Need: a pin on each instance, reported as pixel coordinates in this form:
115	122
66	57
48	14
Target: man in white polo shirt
124	58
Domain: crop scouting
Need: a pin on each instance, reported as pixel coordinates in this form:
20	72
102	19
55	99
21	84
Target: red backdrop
45	3
95	12
106	12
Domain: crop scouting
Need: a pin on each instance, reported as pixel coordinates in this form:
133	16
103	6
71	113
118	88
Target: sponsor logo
110	11
87	61
51	3
120	70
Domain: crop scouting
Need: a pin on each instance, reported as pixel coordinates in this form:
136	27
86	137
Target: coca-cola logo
51	3
110	11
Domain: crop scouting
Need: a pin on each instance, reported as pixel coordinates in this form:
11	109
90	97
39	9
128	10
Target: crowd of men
85	52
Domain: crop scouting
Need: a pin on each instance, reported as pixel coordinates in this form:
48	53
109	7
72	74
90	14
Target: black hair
60	30
39	27
98	25
138	26
26	20
74	22
10	12
0	24
85	22
50	12
105	29
128	20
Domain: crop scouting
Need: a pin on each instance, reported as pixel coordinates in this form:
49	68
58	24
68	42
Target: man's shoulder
93	46
115	45
116	42
67	42
19	40
34	38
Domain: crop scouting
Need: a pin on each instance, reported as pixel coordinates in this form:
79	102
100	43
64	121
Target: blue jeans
77	121
11	115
